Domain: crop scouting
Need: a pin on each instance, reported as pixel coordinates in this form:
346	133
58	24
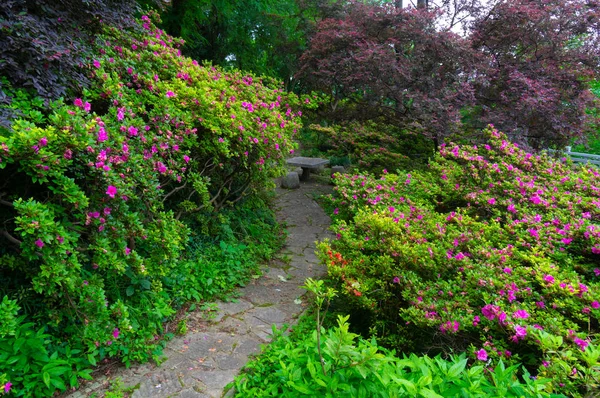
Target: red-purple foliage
537	58
525	66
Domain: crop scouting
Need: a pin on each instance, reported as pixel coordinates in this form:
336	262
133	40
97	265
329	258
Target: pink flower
396	280
7	386
490	311
39	243
507	270
581	343
549	279
595	305
102	135
132	131
96	64
87	107
170	94
78	102
111	191
186	158
127	251
520	332
521	314
482	355
68	154
116	333
491	201
43	142
60	239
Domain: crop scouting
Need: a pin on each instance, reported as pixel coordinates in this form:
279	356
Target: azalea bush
493	251
100	195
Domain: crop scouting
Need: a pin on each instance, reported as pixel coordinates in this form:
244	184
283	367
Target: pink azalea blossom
111	191
7	386
521	314
78	102
482	355
170	94
581	343
39	243
116	333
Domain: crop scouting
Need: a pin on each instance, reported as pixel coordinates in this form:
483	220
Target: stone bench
307	164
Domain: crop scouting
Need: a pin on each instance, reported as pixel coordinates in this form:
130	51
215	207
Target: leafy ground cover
124	203
333	362
493	251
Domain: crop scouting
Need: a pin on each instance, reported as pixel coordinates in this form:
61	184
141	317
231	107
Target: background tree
391	63
525	66
265	37
537	59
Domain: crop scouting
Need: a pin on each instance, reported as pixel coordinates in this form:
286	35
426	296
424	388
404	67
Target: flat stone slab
307	163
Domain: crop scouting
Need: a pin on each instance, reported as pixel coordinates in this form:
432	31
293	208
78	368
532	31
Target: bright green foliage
264	37
355	367
484	251
100	199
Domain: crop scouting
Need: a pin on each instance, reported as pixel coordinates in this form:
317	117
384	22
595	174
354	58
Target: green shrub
99	200
371	146
492	248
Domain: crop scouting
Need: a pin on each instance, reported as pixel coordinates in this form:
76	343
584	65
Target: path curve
201	363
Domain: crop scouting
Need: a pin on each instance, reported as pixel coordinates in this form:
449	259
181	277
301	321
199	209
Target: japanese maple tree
525	66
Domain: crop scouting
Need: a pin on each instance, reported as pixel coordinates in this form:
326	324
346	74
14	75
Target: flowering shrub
494	250
97	197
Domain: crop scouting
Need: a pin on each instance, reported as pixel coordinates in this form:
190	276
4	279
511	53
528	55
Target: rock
291	181
319	170
337	169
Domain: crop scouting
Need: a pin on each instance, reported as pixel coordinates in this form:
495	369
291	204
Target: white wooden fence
580	157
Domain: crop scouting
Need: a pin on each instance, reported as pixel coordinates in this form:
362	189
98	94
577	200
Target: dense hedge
493	250
99	197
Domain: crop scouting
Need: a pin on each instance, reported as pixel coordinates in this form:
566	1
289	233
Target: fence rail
579	157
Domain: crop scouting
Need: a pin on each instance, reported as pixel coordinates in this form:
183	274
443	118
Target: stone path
201	363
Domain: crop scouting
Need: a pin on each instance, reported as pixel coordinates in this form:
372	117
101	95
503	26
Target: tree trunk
422	4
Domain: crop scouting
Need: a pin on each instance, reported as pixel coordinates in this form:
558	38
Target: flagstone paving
201	363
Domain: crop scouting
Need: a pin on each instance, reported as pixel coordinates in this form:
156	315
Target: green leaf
145	283
58	383
130	290
427	393
46	377
457	368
